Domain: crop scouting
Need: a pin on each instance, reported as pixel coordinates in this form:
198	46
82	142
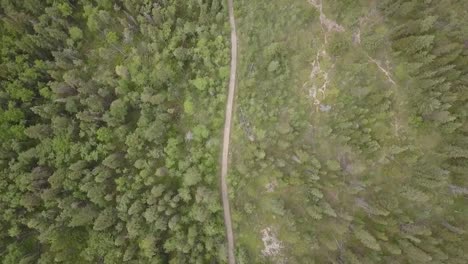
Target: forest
110	126
349	142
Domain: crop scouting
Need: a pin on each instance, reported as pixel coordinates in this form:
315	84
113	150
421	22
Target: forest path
227	135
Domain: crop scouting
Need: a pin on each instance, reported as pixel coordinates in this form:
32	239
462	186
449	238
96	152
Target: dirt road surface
227	136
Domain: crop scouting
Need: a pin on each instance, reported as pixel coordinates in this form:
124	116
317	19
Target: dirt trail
227	135
382	69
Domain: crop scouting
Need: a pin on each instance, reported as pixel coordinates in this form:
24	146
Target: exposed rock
273	245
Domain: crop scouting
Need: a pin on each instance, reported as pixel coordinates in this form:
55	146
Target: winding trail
227	136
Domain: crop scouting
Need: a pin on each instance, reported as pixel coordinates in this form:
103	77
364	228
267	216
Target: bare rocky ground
319	76
272	246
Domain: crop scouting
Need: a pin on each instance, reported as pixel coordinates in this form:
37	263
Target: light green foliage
200	132
65	9
191	177
339	45
367	239
333	165
147	245
122	71
76	33
104	220
118	111
111	38
188	106
273	66
200	83
316	192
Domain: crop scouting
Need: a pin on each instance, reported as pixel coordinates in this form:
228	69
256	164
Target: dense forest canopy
349	142
110	124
